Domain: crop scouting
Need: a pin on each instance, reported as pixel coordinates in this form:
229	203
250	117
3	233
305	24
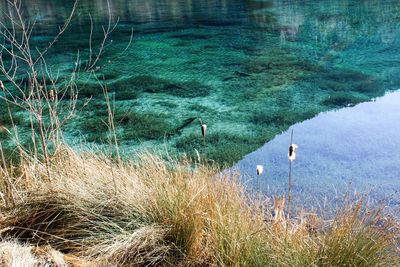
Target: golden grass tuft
156	213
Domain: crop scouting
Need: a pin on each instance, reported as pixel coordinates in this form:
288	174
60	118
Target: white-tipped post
203	128
292	152
259	169
291	157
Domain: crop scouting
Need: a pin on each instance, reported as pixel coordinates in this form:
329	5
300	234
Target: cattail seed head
203	130
259	169
51	95
292	152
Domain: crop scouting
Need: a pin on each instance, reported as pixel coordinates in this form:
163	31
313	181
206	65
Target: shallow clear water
249	69
353	150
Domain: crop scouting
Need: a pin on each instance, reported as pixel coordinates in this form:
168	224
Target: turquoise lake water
249	69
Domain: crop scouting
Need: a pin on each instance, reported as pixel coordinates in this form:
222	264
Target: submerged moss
221	147
347	80
130	124
17	116
253	69
341	100
89	89
95	129
154	85
187	89
191	36
282	118
143	125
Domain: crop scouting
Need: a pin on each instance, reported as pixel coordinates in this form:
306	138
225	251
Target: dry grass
21	255
156	213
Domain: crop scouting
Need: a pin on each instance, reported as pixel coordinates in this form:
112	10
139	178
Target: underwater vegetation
249	71
203	88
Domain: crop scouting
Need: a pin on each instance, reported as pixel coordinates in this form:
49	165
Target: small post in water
291	156
203	133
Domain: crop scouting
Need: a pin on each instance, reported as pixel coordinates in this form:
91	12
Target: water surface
352	150
249	69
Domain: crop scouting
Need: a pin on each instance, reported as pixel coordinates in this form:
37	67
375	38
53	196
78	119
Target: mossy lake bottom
248	69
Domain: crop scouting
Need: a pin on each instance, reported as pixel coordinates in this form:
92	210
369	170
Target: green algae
131	87
88	89
139	125
283	118
341	100
249	71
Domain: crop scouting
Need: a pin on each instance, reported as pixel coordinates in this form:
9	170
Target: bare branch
61	31
106	33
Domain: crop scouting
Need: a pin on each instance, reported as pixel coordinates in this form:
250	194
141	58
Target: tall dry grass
156	213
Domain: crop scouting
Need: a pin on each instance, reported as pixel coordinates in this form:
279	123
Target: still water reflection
350	150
